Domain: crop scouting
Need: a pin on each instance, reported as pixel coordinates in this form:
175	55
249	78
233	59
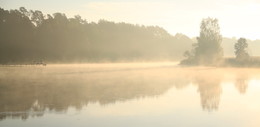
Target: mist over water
118	94
60	71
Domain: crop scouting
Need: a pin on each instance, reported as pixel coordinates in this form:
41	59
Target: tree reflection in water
242	83
24	96
209	88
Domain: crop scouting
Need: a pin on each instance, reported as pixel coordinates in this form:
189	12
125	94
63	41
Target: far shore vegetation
31	37
209	52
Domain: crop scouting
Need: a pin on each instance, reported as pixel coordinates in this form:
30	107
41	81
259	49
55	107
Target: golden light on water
97	63
200	95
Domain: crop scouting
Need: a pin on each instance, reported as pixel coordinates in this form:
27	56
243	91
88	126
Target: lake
128	95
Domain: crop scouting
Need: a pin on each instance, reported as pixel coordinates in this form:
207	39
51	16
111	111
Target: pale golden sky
237	18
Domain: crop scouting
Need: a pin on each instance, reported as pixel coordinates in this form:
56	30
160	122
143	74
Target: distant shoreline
231	62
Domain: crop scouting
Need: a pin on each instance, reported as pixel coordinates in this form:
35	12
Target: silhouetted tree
241	50
208	50
37	17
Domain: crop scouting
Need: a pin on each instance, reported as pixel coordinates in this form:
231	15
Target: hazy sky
237	18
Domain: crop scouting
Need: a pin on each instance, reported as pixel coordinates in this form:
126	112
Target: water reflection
242	83
210	90
24	96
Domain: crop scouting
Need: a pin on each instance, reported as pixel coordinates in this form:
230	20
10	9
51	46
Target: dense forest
29	35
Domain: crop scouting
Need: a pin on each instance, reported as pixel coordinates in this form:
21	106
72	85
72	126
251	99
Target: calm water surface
129	95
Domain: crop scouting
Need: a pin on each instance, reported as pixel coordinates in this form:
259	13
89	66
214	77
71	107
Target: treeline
228	46
28	35
209	51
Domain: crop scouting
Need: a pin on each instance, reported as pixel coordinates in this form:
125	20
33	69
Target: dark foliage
28	36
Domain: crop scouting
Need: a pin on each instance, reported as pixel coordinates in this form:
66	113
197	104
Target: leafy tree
37	17
208	50
241	50
24	11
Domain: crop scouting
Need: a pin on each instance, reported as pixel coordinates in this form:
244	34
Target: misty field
151	94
